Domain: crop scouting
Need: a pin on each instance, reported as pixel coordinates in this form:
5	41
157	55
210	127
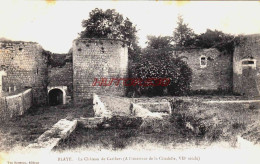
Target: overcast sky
54	25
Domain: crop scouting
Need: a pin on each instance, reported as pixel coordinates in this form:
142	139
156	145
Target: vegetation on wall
216	39
110	24
157	61
184	37
57	60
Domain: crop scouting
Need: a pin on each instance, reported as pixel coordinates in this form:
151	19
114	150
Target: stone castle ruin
24	64
63	78
98	59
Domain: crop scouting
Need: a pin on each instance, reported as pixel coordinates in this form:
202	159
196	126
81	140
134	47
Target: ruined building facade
211	69
63	77
69	77
98	59
25	64
246	66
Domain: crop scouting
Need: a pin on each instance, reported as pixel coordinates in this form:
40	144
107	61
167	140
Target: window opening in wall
37	71
203	61
249	63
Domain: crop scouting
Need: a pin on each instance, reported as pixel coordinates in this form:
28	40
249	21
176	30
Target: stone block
49	139
164	107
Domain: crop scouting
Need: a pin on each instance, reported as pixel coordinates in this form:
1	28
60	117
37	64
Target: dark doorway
55	97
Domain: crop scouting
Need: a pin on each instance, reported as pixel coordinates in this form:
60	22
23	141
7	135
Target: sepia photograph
129	81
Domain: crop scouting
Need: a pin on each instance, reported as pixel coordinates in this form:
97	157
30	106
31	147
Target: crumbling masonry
69	77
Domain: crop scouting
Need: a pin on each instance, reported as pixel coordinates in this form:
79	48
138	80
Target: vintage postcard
129	82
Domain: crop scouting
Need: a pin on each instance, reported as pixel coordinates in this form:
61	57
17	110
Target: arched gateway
57	95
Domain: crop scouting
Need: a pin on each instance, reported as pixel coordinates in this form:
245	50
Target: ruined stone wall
246	79
15	105
216	75
60	72
96	59
26	67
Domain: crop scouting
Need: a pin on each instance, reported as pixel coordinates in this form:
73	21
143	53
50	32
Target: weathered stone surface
15	105
93	58
216	75
246	80
157	106
2	74
60	72
61	130
26	66
118	106
139	111
90	122
99	108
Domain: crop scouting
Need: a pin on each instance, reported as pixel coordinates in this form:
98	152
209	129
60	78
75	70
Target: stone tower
26	67
98	58
246	66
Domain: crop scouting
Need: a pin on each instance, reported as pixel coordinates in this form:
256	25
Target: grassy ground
192	123
208	124
220	121
195	98
118	139
23	130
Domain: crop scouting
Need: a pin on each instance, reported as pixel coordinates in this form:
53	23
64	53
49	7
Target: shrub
189	125
160	64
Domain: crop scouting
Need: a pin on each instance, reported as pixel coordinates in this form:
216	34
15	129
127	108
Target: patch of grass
238	125
54	134
155	125
118	139
119	143
35	122
191	121
214	121
121	122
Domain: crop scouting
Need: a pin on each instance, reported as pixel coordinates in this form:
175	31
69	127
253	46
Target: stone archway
57	95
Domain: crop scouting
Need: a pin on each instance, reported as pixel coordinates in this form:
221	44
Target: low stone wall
99	108
91	122
49	139
118	106
108	106
164	107
98	58
15	105
139	111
